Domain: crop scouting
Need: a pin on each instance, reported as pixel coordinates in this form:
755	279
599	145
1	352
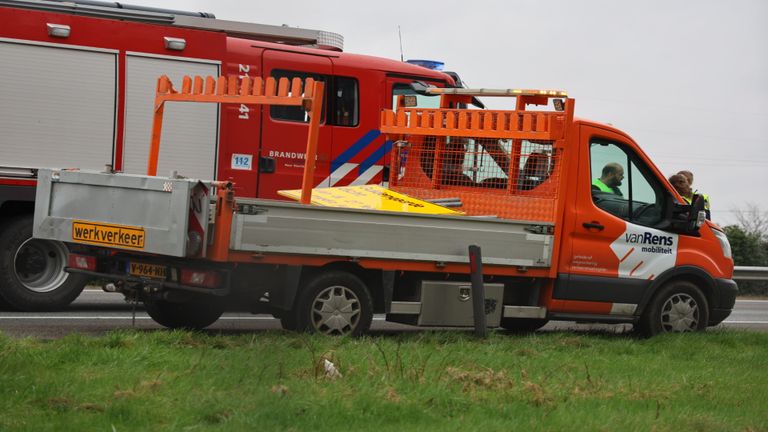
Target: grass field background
172	380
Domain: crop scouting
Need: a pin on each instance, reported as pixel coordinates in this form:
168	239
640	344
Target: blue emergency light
429	64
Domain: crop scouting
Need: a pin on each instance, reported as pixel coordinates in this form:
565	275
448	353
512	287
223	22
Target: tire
190	315
288	321
4	306
32	276
335	303
523	325
679	306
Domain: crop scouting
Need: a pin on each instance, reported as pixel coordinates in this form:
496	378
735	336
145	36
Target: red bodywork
246	130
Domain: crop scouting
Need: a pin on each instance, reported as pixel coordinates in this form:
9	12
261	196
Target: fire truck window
422	101
346	102
294	113
622	184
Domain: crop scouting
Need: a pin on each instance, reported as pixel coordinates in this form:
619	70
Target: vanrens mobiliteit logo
651	243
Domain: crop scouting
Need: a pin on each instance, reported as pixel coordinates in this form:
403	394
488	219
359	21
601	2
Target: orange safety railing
474	123
248	91
491	162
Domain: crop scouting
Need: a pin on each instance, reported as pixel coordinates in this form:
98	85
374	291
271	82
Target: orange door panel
615	249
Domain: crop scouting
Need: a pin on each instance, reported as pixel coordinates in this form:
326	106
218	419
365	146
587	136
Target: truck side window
341	100
346	102
622	185
295	113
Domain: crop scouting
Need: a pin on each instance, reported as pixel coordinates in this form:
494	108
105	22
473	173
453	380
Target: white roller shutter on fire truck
190	131
57	105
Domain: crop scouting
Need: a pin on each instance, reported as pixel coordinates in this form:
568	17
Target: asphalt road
96	312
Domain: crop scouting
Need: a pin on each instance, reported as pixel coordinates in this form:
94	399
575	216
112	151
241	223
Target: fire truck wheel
32	276
678	306
335	303
191	315
522	325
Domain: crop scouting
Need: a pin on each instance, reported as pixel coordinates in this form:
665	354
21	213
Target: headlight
724	244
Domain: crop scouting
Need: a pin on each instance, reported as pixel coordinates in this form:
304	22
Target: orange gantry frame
248	91
504	124
505	163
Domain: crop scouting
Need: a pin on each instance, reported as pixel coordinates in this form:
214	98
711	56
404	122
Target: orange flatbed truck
573	219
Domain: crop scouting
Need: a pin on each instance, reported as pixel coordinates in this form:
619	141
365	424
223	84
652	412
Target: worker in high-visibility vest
610	179
689	176
681	185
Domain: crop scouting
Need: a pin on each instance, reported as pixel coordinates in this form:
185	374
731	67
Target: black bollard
478	291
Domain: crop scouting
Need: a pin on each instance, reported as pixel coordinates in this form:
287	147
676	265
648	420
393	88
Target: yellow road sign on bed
371	197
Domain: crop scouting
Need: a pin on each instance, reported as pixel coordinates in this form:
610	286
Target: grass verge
168	380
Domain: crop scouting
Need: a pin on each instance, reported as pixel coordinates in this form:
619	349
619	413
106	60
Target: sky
686	79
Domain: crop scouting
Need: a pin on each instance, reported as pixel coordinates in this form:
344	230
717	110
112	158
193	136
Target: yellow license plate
147	270
123	236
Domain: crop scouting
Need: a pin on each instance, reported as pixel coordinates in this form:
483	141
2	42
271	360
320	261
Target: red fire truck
51	50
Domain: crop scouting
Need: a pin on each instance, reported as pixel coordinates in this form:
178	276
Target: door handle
593	225
266	165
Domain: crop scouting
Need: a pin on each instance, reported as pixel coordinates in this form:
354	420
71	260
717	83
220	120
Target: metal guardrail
748	273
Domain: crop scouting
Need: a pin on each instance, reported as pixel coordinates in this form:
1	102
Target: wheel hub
336	311
39	265
680	313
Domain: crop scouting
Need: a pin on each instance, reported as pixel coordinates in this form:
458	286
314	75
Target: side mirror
687	218
697	216
419	87
478	103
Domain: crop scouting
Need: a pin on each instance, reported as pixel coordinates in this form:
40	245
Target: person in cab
610	179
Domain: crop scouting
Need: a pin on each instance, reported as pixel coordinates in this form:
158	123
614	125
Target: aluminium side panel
290	228
157	208
57	105
445	303
190	132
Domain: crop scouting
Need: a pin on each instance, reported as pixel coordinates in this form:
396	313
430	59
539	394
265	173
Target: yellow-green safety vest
603	187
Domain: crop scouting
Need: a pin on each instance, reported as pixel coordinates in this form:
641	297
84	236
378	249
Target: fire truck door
360	153
615	250
358	148
400	86
284	129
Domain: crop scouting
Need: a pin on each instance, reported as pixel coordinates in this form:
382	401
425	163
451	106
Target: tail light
82	262
194	243
203	278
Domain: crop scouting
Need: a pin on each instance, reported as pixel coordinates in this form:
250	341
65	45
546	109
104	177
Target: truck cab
628	247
